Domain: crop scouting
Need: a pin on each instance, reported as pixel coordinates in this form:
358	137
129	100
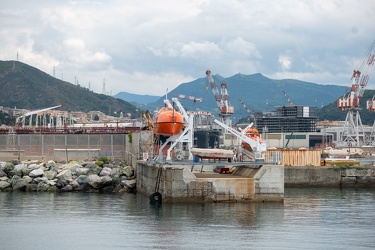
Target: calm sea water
308	219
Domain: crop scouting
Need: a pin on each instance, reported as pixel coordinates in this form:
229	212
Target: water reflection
309	218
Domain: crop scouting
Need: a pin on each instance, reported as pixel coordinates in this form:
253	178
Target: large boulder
82	179
106	180
2	173
4	185
18	184
74	184
106	171
28	179
115	171
65	175
94	181
8	168
26	171
128	171
2	165
70	165
93	169
51	165
42	187
61	183
41	179
36	173
33	166
108	165
128	183
17	170
50	174
81	171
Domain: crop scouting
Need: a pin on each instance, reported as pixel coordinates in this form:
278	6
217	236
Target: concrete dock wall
179	184
329	176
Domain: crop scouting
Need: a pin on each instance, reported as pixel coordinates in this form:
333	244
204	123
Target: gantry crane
353	133
222	99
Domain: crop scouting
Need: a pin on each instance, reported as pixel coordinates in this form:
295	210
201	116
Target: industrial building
287	119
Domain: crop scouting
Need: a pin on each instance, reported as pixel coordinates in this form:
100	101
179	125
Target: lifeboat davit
252	133
168	122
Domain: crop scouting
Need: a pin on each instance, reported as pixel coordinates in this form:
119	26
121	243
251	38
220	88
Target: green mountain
260	94
26	87
136	99
332	113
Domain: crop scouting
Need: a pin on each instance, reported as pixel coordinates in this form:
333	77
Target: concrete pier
182	183
354	176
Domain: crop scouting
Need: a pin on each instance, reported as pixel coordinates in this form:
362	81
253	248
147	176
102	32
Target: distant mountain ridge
137	99
26	87
259	93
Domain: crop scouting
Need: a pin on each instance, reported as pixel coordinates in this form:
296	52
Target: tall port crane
221	98
353	133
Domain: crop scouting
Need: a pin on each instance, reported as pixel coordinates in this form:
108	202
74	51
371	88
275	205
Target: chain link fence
68	147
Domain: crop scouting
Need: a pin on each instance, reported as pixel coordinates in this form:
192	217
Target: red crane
222	98
359	79
352	134
371	104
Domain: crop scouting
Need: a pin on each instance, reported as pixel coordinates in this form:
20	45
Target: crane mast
353	132
291	103
221	98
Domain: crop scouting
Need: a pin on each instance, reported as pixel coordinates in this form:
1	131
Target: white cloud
145	47
74	43
196	49
285	62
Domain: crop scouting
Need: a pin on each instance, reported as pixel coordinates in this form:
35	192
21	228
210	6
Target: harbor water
314	218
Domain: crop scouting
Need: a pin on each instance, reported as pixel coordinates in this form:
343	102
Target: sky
150	47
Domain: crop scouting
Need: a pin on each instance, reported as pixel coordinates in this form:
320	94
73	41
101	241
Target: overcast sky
146	46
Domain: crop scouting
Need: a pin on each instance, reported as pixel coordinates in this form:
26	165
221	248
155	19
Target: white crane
222	98
259	147
291	103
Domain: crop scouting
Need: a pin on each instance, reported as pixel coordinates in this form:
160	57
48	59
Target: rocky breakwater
66	177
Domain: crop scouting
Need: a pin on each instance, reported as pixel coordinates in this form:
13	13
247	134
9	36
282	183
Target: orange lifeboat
253	133
168	122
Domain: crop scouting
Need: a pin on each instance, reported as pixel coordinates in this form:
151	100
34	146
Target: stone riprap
53	176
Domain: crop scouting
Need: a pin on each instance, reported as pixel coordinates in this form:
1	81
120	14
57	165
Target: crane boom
258	146
193	98
246	108
291	103
214	88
